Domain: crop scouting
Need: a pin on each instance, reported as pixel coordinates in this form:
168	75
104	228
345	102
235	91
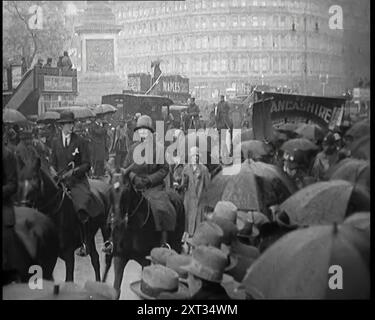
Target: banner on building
290	107
262	123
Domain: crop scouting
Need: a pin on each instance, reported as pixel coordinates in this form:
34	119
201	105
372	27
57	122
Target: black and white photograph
186	150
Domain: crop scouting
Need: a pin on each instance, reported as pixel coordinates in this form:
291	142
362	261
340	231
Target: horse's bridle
127	216
63	190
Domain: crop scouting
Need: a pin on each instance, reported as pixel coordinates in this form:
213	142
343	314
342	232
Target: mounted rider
71	159
149	177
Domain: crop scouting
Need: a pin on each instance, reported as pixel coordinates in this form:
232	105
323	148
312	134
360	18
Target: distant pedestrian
66	62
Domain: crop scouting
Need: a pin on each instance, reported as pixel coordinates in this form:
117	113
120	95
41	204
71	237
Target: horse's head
30	182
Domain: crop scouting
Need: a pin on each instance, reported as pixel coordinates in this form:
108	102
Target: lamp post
324	80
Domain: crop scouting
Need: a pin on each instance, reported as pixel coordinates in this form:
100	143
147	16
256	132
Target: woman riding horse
148	216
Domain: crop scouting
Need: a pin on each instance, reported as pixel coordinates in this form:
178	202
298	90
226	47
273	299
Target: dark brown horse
54	200
134	233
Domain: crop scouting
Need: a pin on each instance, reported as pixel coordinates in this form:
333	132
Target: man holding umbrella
71	157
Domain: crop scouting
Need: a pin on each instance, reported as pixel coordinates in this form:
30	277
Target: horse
32	242
53	199
133	231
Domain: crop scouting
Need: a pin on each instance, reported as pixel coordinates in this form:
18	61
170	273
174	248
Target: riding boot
164	238
82	251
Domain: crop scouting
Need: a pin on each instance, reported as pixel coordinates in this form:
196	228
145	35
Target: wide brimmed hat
66	117
144	122
160	255
229	229
176	261
226	210
208	263
207	234
159	282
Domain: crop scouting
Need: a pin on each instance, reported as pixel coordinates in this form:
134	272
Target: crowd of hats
217	255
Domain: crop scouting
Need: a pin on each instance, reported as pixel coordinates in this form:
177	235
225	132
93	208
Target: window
222	21
198	43
204	65
234	3
243	64
283	64
216	41
224	67
205	42
214	22
243	3
243	21
235	21
203	23
255	64
234	41
282	21
265	64
204	4
242	41
275	65
276	21
233	66
255	21
254	41
214	65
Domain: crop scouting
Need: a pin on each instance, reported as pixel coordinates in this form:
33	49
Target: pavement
84	271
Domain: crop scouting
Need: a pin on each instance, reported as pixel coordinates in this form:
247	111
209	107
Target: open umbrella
253	149
48	117
300	265
352	170
288	129
360	221
79	112
310	131
299	144
13	116
245	135
360	148
104	109
273	174
321	203
359	129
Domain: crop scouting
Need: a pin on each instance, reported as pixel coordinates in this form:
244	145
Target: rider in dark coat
149	177
10	184
74	154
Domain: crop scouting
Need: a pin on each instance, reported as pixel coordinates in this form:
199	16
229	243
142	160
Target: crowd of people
219	245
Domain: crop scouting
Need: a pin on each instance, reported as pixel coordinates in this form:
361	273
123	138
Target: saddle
100	192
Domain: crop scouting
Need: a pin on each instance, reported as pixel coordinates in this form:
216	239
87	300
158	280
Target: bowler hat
176	261
156	280
207	234
66	117
160	255
208	263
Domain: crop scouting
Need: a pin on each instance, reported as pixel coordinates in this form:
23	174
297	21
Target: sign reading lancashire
290	106
61	84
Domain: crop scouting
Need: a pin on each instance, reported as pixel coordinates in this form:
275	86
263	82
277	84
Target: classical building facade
221	44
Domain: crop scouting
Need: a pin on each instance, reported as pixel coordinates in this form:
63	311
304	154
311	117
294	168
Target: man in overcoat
70	155
98	138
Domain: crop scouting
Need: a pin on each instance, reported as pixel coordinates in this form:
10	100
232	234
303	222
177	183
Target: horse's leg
119	266
92	250
108	262
69	265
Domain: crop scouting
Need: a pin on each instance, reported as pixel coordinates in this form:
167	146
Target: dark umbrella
79	112
299	144
321	203
48	117
360	148
245	136
360	221
298	266
359	129
252	149
352	170
288	128
104	109
310	131
13	116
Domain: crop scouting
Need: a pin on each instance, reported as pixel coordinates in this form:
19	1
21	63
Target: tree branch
33	36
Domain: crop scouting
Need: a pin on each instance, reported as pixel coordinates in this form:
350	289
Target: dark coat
211	291
26	156
193	109
10	185
222	116
77	151
163	210
98	139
